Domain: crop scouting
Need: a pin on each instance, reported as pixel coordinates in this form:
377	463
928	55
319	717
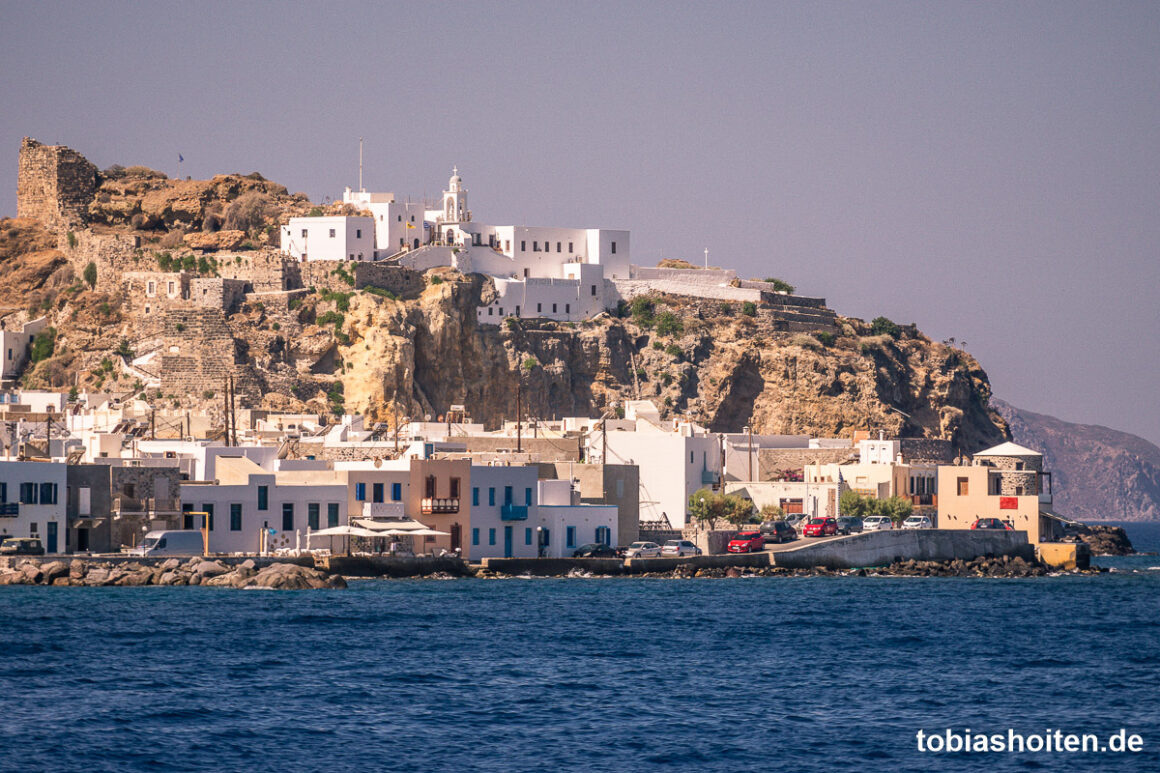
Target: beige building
1005	482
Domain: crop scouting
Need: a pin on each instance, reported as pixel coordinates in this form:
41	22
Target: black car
848	524
778	531
594	550
21	546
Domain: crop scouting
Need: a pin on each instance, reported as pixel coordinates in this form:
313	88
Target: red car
820	527
990	523
747	542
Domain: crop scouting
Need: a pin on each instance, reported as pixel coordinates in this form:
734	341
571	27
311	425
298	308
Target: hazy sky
989	171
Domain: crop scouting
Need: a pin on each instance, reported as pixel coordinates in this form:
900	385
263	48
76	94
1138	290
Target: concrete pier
881	548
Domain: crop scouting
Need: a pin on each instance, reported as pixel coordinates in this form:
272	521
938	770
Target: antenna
360	185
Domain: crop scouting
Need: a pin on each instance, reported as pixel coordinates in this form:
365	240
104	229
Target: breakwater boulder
195	571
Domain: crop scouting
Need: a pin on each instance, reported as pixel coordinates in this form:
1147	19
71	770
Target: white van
170	543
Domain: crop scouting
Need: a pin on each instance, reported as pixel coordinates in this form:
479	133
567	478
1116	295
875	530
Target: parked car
918	522
877	523
778	531
21	546
643	550
747	542
820	526
594	550
797	520
680	548
990	523
848	524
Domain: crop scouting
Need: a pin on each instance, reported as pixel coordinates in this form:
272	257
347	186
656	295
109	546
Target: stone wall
54	184
206	354
919	450
262	272
774	460
217	293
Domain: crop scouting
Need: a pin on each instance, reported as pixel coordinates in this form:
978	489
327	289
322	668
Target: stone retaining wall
882	548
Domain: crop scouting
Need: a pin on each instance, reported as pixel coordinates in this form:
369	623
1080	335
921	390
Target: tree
710	507
642	308
883	326
896	509
853	503
772	513
737	509
90	274
43	345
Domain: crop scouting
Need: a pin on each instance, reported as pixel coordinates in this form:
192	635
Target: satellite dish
378	462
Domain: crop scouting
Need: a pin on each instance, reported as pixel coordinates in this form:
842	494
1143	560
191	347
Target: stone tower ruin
54	184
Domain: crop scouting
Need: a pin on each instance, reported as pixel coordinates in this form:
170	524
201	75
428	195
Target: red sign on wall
1008	503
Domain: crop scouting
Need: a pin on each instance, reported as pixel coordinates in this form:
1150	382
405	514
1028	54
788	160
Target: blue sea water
790	674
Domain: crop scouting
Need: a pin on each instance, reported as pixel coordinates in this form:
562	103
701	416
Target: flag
180	158
410	225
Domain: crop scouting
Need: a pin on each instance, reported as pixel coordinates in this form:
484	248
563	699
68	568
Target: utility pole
519	408
749	429
226	407
153	424
233	411
396	405
360	185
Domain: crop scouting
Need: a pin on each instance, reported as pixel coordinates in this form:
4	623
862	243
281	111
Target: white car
643	550
680	548
877	523
917	522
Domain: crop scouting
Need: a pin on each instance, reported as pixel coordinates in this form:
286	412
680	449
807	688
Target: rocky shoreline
290	576
1106	540
195	571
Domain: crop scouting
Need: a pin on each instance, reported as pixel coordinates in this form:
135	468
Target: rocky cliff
1098	473
344	344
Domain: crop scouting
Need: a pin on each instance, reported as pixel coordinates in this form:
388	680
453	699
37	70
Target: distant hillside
1099	473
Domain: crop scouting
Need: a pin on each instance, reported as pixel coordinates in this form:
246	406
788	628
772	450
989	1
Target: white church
557	273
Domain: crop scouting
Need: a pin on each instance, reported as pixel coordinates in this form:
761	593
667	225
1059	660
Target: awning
343	531
1060	518
400	525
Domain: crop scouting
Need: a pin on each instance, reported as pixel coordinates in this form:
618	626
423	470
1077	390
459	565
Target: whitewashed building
32	502
330	238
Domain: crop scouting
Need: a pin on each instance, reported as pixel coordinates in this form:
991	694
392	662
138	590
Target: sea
616	674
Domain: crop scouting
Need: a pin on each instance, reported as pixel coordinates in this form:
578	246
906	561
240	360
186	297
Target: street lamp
539	542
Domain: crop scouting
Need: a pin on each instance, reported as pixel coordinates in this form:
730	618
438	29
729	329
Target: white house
398	225
32	502
248	500
14	346
675	459
330	238
515	515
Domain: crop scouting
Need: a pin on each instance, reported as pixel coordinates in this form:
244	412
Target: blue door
507	542
51	546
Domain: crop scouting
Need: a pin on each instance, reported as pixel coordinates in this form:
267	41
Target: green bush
642	309
530	364
674	351
90	274
341	300
293	303
669	324
883	326
781	286
827	339
124	350
749	309
72	240
43	345
315	212
436	280
337	318
726	309
382	292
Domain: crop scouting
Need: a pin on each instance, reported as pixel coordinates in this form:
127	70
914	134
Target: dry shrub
248	212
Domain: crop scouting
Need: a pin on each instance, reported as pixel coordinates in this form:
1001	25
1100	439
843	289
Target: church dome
455	181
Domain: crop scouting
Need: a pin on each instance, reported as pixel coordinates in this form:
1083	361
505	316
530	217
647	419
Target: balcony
510	512
924	500
9	510
439	505
708	478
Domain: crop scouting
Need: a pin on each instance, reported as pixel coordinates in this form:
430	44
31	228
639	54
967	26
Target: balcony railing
708	478
439	505
924	500
9	510
510	512
127	504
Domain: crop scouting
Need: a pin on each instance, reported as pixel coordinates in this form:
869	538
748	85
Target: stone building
54	184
